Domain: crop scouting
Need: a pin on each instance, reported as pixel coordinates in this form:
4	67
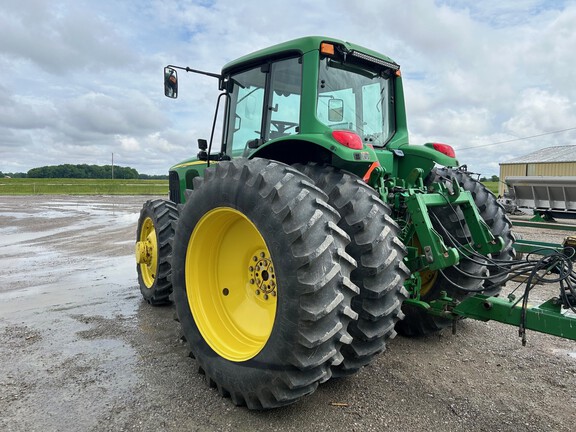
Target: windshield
354	98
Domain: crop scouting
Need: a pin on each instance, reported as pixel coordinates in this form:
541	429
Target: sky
81	80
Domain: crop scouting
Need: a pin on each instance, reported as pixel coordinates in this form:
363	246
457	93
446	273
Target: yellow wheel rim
147	252
427	280
231	284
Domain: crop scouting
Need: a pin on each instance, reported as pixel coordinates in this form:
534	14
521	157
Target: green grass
29	186
493	186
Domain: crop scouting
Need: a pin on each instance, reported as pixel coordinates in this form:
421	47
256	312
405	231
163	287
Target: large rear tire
153	249
490	278
494	214
261	282
459	281
379	254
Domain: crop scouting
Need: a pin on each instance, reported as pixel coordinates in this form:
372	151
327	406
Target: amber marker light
327	48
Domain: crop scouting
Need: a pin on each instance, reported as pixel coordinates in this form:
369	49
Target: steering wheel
282	126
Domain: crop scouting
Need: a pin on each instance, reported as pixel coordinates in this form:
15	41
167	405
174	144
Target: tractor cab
311	96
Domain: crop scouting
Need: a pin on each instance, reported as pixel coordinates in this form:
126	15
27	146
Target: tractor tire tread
164	214
299	354
380	271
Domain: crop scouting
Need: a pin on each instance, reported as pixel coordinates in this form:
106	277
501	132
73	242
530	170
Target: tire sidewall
276	355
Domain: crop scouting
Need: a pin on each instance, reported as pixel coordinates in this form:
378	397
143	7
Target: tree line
83	171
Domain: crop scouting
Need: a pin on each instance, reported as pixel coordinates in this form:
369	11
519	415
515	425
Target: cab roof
298	47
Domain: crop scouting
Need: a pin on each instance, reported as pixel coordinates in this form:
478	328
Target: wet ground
80	350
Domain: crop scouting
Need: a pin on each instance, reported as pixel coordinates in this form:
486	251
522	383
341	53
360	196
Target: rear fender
410	157
318	148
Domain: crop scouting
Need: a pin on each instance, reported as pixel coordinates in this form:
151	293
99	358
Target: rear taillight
445	149
348	139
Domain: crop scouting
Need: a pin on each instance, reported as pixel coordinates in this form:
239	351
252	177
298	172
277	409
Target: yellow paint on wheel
231	284
147	252
427	277
427	280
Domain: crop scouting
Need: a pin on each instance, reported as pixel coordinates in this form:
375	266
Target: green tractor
315	232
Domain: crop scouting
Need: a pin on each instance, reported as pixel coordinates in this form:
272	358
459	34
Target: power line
518	139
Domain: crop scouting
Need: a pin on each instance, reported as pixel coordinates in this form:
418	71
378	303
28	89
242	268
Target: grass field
100	187
493	186
29	186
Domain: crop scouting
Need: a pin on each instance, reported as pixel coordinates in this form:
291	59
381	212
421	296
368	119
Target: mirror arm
187	69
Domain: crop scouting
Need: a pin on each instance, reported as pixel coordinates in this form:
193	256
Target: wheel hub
262	276
144	251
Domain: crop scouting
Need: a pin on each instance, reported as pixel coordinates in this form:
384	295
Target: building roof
546	155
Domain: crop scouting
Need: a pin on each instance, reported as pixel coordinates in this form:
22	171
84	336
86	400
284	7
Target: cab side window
264	104
246	109
286	89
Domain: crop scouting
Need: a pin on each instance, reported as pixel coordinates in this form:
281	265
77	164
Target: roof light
444	149
372	59
348	139
327	48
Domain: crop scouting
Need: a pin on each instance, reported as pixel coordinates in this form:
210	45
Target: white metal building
551	161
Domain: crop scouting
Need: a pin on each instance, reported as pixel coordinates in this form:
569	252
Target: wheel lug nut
257	292
265	296
251	268
252	281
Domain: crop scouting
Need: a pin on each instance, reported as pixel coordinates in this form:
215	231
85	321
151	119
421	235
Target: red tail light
348	139
445	149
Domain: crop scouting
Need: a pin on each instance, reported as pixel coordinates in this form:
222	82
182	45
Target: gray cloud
60	37
104	114
82	79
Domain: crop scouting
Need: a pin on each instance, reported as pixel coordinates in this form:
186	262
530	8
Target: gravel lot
80	350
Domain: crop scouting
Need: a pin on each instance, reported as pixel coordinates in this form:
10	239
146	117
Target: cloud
104	114
83	79
537	111
60	37
24	112
128	144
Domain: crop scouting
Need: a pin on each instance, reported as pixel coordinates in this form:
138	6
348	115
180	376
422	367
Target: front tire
261	282
153	249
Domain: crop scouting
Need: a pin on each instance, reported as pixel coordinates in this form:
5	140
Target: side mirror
202	144
335	110
170	82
